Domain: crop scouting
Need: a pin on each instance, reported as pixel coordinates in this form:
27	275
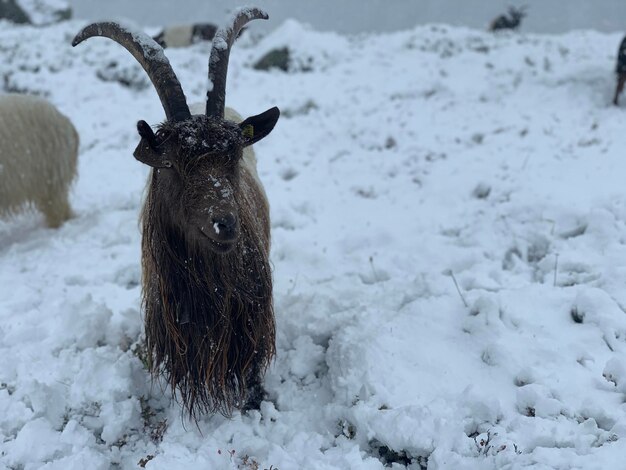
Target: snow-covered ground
402	163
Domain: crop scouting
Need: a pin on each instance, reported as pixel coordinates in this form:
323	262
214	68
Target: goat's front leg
255	392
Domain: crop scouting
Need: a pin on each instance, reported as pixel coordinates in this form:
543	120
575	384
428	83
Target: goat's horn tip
254	12
78	38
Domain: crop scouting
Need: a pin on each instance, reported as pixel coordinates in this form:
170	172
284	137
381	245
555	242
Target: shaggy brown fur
209	318
207	285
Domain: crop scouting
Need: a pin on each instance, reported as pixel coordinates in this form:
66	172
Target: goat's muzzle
222	231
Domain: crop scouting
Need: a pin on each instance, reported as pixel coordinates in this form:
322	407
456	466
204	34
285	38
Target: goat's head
197	162
196	158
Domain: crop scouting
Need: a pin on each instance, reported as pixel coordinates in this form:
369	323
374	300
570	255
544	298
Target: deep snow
402	163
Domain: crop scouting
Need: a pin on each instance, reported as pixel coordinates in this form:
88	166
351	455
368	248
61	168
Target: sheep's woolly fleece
402	163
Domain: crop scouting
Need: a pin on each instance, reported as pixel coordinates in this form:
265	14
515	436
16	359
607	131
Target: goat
620	70
206	282
38	156
512	21
185	35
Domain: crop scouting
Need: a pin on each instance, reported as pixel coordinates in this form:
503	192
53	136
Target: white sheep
185	35
38	156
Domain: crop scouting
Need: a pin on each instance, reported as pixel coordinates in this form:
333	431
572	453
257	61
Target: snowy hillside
401	163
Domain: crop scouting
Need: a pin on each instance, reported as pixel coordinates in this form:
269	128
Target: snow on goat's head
196	157
198	162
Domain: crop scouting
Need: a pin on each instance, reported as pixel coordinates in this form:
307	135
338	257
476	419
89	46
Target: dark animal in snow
620	70
512	20
207	284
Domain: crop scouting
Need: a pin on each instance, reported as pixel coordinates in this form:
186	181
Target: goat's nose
224	223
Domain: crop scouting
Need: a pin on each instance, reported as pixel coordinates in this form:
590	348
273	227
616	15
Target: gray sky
369	15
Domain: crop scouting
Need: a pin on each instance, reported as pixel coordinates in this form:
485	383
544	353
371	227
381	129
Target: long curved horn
220	52
150	55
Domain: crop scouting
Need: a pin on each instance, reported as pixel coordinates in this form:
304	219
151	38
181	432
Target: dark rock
37	12
276	58
10	10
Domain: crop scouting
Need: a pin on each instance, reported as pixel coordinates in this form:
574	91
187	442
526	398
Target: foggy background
353	16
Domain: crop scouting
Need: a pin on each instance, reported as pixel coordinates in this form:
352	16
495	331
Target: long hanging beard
209	320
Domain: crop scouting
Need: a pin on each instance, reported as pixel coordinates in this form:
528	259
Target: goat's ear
147	152
256	127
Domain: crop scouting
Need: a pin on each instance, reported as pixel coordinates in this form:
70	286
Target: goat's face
198	161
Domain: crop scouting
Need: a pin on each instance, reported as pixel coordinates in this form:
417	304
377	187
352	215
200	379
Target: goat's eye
162	136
